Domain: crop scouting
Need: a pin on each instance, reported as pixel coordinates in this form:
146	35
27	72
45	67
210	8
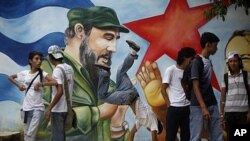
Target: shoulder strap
201	66
66	88
245	78
31	82
226	81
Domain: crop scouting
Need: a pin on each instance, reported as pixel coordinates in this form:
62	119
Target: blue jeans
31	126
125	93
57	125
197	123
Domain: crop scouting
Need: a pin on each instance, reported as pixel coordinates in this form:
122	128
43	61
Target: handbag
71	120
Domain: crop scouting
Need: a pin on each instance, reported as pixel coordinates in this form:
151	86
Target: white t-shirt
61	105
172	77
33	99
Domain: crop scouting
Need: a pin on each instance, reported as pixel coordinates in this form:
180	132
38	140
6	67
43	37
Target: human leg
125	92
132	133
128	61
25	114
235	120
154	135
214	125
184	124
57	126
172	123
34	118
196	123
103	84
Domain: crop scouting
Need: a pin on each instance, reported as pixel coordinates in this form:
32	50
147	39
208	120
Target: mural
160	32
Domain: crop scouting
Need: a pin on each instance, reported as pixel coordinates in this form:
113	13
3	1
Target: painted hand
150	80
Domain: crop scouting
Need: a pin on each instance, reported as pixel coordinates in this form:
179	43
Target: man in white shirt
178	105
58	108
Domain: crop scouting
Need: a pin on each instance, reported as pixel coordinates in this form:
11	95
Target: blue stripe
18	52
8	91
17	8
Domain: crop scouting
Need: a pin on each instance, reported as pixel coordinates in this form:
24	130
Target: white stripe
33	26
128	10
8	66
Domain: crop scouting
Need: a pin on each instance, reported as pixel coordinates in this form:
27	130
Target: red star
176	28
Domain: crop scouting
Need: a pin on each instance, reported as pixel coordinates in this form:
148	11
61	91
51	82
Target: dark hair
240	63
185	52
208	37
70	32
32	54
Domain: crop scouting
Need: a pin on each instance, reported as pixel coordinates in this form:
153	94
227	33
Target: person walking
204	108
58	107
235	98
174	95
32	82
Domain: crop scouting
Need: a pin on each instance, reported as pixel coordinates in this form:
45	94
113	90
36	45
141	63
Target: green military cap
97	16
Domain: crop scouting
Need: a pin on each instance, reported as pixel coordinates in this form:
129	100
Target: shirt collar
229	73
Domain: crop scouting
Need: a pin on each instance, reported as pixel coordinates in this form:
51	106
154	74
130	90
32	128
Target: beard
88	59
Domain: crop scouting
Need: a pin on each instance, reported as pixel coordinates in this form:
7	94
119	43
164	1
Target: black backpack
245	79
186	81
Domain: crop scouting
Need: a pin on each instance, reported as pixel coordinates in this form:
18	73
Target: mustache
107	56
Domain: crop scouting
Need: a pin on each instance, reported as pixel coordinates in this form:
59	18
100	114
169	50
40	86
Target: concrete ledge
10	136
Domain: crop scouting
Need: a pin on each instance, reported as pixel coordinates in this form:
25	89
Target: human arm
197	92
222	105
164	93
49	82
59	93
248	114
20	86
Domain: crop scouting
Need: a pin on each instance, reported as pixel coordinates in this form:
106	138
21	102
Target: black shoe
160	127
133	45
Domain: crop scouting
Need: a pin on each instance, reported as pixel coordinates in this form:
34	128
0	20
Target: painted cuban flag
26	26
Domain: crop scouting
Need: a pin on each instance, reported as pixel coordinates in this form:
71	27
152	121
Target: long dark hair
32	54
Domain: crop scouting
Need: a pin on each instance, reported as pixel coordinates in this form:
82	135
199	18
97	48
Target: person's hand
150	80
248	116
47	115
21	87
205	113
37	86
222	120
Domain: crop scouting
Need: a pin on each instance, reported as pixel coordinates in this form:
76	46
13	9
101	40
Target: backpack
245	79
186	81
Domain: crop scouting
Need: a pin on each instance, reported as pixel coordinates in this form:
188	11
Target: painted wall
160	27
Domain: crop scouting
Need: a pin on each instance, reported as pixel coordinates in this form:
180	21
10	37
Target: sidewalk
10	136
